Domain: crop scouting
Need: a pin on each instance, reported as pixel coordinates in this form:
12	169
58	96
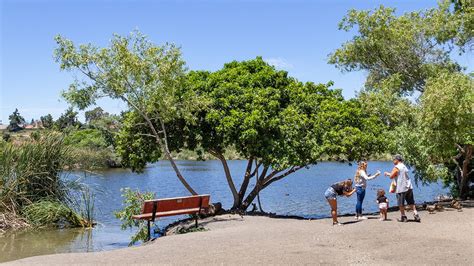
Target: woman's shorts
383	205
330	194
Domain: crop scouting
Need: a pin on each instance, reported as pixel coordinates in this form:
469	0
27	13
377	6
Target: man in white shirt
404	188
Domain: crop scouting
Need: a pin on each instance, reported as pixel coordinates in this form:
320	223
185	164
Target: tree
280	125
409	48
95	114
68	119
47	121
408	54
447	121
16	121
143	75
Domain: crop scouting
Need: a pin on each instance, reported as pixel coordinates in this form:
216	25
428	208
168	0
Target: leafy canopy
407	49
266	114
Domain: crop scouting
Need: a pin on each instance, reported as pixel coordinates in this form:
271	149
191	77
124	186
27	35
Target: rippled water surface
298	194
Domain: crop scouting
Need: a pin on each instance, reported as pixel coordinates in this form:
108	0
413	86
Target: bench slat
147	216
173	204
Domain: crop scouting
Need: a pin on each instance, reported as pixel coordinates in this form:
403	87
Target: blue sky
293	35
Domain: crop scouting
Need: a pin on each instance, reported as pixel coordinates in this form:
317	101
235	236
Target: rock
214	209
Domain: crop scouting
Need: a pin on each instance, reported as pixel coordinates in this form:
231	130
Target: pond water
298	194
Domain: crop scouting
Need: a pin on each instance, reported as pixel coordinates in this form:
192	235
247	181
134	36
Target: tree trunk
245	183
178	173
228	176
256	189
466	171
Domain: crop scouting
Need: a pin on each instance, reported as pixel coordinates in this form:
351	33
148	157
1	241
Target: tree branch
292	170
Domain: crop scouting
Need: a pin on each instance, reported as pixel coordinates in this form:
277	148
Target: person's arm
393	174
364	175
349	193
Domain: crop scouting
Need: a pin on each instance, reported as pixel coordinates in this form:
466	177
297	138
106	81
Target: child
383	204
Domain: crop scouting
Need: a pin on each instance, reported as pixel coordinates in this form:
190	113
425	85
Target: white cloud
279	62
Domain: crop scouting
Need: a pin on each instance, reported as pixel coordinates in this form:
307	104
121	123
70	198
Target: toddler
383	204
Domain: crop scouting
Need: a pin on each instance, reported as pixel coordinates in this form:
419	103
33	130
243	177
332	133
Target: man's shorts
406	196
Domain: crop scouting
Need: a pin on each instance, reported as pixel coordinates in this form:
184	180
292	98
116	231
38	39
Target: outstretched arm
349	193
393	174
367	177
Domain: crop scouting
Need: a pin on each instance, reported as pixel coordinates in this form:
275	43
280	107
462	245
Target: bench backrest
173	204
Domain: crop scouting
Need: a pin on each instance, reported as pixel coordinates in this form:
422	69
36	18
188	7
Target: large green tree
280	125
404	49
131	69
411	55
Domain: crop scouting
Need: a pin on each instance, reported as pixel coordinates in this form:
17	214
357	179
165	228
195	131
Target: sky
296	36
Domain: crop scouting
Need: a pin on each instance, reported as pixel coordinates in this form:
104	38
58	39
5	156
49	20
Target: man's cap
398	157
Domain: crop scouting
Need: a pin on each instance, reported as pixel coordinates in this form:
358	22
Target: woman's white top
363	177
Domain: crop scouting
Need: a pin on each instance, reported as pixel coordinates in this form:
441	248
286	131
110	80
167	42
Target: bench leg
196	221
148	231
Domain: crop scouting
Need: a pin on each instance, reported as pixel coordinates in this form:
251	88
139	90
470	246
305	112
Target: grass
31	183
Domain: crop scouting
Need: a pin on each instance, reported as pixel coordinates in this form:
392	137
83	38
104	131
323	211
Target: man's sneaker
417	218
404	219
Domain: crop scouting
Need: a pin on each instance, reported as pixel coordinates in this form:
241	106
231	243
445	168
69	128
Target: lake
301	193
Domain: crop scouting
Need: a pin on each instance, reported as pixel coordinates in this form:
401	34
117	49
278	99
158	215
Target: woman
338	189
360	179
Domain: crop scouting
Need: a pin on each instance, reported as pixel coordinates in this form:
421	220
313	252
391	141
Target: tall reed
31	181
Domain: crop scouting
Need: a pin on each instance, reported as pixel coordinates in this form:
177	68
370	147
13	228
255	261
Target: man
404	188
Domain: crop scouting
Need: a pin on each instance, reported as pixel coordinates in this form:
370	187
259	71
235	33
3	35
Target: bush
133	201
86	138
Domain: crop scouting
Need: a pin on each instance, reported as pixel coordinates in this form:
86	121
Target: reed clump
32	184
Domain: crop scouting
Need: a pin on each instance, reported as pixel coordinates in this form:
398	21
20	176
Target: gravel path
444	238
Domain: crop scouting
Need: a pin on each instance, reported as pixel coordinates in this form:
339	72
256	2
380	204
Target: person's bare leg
402	210
333	204
414	209
385	214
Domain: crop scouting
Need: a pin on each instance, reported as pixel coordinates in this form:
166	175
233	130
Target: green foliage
133	202
95	114
67	120
446	117
135	149
30	171
86	138
31	182
15	121
47	121
411	53
51	213
131	69
409	48
265	114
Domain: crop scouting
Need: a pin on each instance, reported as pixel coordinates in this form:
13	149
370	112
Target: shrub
133	201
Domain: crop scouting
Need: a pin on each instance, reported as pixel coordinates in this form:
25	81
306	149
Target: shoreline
232	239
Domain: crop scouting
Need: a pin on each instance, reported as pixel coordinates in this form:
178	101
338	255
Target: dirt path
442	238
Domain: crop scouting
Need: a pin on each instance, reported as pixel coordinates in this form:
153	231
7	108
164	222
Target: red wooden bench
156	208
